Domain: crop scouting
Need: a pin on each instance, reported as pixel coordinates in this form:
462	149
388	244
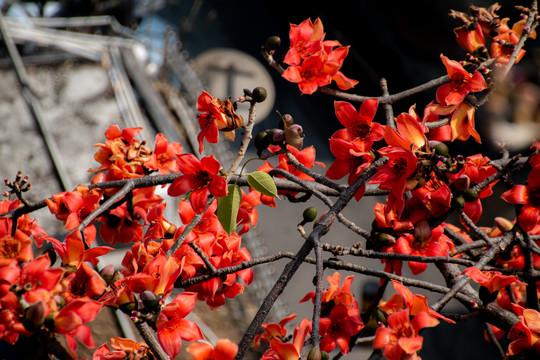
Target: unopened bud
34	316
278	136
150	301
422	232
259	94
440	149
470	195
314	354
458	202
272	43
309	214
386	239
503	224
462	183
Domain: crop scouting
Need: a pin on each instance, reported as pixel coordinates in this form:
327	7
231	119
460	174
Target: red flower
121	349
272	330
492	280
529	196
470	40
224	350
526	332
393	176
313	73
200	177
71	320
461	83
358	125
340	315
217	115
280	350
306	40
350	160
163	159
172	327
400	339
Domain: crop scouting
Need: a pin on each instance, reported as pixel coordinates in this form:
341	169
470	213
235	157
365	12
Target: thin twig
315	336
148	336
389	112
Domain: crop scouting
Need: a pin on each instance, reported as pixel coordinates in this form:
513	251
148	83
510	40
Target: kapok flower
71	321
350	160
163	159
120	349
460	85
526	332
306	40
217	115
200	177
470	40
172	327
340	315
492	280
359	127
314	72
273	329
393	175
224	350
280	350
400	340
529	196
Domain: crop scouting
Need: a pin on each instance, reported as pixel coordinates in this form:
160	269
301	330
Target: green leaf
228	206
263	183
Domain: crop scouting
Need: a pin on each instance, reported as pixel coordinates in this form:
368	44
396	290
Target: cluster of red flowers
407	314
315	62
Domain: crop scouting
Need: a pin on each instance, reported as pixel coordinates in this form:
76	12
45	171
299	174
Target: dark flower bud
277	136
310	214
462	183
272	43
259	94
150	301
470	195
440	149
261	142
314	354
34	316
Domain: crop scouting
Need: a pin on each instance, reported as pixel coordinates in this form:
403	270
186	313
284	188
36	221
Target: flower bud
259	94
440	149
422	232
128	307
309	214
470	195
272	43
34	316
503	224
278	136
150	301
261	142
462	183
314	354
458	202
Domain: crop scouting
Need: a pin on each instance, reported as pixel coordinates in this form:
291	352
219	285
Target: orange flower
461	83
217	115
224	350
280	350
122	349
164	157
529	196
492	280
526	332
172	328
